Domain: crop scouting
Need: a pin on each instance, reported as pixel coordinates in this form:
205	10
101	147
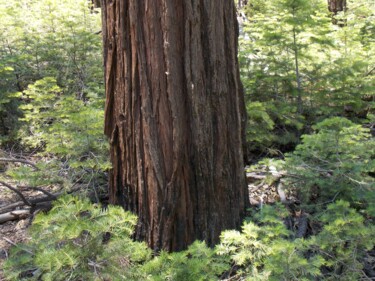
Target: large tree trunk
175	117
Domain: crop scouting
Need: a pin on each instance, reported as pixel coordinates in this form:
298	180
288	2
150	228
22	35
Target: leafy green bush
52	89
63	125
343	242
78	240
54	38
259	126
302	68
334	162
263	251
197	263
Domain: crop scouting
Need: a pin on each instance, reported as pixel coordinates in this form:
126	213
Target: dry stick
4	209
33	202
36	201
14	215
19	193
38	189
20	161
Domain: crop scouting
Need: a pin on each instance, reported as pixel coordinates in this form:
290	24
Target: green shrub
197	263
343	242
334	162
52	90
77	240
64	126
263	251
266	251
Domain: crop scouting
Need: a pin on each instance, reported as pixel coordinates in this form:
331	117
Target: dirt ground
11	232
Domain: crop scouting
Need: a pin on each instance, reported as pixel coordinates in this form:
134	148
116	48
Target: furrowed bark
175	117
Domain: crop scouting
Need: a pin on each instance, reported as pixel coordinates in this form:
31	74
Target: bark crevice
174	114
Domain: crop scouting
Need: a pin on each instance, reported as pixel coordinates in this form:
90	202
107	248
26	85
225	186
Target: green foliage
264	251
46	174
302	68
197	263
260	123
64	125
343	242
78	240
52	90
48	39
334	162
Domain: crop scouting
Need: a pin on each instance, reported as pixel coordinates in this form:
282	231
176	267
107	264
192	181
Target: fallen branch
34	202
19	193
14	215
255	176
254	188
7	213
49	194
20	161
6	208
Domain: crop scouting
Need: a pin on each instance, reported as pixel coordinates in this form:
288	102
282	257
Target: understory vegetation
309	81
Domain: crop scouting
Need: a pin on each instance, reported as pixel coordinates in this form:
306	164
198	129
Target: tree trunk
175	117
336	6
95	3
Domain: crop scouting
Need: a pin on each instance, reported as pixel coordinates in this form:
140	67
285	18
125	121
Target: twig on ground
49	194
14	215
19	193
20	161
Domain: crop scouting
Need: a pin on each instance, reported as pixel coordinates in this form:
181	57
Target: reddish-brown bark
175	117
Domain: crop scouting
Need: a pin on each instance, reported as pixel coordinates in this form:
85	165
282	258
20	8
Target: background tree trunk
336	6
175	117
96	3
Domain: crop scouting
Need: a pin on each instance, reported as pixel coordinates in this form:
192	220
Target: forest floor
11	231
